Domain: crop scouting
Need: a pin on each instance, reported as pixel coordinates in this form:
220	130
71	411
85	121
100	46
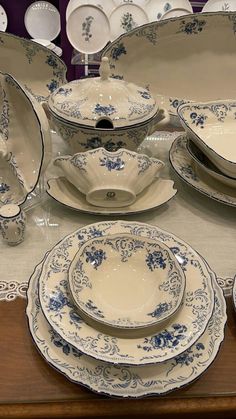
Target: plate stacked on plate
166	357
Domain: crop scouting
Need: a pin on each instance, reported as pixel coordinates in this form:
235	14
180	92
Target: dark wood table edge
216	407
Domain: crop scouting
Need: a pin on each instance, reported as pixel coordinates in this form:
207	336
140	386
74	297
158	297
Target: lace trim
9	291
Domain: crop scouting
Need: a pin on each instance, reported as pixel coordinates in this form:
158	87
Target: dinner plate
216	5
184	166
125	17
26	138
42	20
106	270
3	19
38	70
88	29
115	380
155	9
178	334
169	56
155	195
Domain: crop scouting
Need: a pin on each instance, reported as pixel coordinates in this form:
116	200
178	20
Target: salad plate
158	193
179	333
216	5
120	381
25	136
42	20
159	47
155	9
38	70
3	19
126	17
207	166
183	164
106	270
88	29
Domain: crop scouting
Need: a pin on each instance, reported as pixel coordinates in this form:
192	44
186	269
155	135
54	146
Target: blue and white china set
123	308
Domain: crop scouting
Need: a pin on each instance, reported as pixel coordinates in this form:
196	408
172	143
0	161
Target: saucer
155	195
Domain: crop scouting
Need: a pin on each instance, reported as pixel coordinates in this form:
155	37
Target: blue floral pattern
198	119
165	339
86	28
145	94
127	22
112	163
117	51
160	309
4	188
95	257
104	110
195	26
155	260
94	309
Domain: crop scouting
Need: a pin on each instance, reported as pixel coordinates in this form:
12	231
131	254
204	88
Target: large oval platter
182	59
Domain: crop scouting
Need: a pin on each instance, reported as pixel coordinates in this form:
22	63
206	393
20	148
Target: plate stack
126	309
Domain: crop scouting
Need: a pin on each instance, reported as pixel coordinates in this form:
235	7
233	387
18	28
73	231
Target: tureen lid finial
104	69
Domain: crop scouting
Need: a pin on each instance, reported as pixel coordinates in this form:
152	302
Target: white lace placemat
208	226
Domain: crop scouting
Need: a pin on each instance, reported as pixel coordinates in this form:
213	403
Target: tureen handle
104	69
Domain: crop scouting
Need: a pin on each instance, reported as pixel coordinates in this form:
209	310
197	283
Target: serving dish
179	333
88	28
25	136
155	9
42	20
119	380
106	270
211	126
38	70
125	17
155	195
104	112
183	164
207	166
110	179
189	45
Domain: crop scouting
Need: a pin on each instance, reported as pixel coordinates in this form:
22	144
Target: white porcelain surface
205	164
106	5
155	195
109	179
25	133
125	17
42	41
234	294
217	5
38	70
138	2
211	126
42	20
119	380
147	56
12	224
3	19
106	271
88	29
155	9
179	333
184	166
175	12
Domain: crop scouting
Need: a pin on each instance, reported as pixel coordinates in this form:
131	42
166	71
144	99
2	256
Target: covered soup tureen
104	112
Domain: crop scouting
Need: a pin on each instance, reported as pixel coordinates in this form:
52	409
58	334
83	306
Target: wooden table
30	388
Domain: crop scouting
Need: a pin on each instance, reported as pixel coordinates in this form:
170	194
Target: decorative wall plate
184	166
106	270
88	29
42	20
219	5
175	13
179	333
155	195
115	380
38	70
155	9
106	5
3	19
147	56
125	17
25	136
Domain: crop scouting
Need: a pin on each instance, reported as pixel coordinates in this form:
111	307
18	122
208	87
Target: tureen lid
103	102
